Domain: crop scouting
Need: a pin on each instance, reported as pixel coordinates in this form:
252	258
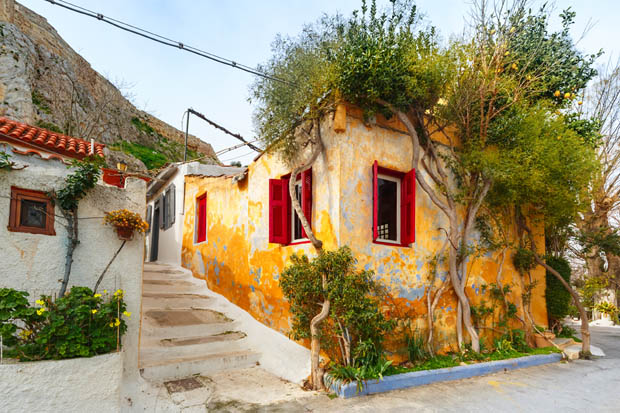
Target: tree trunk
108	266
585	327
72	242
315	344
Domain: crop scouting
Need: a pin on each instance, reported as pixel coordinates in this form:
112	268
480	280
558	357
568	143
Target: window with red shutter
284	223
408	208
279	228
393	206
201	219
306	195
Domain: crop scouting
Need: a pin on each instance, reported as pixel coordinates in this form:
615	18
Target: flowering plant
79	324
123	218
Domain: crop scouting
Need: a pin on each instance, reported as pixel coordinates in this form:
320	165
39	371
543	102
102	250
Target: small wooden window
31	211
201	219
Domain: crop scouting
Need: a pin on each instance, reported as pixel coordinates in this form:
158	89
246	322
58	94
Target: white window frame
294	214
196	220
398	208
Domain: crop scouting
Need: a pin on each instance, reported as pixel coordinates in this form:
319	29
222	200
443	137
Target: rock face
44	82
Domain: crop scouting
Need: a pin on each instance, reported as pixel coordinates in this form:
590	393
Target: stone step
151	332
184	317
169	301
203	365
188	340
166	352
181	287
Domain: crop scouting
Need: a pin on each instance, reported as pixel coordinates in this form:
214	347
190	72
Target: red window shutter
306	197
375	200
279	211
202	219
407	215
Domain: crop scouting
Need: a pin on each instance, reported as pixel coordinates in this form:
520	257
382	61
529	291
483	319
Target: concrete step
172	351
150	332
203	365
178	287
168	301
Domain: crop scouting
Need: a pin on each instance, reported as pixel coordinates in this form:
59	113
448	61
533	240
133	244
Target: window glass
388	225
32	213
297	228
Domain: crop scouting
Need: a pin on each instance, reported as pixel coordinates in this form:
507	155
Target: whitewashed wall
35	263
170	239
90	385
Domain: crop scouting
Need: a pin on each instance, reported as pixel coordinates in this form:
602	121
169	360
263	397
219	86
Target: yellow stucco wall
238	262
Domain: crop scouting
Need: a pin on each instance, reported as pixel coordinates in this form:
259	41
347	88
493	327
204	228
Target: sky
166	81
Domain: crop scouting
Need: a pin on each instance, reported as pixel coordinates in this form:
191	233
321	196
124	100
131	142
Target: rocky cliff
44	82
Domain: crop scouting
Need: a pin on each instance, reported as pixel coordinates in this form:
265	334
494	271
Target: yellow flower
557	94
111	324
127	314
117	323
566	95
506	54
514	66
40	302
105	291
97	295
580	103
40	311
118	293
94	311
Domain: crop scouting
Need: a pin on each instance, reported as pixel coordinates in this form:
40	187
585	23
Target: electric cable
164	40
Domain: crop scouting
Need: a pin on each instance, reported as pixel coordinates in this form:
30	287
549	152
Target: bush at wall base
79	324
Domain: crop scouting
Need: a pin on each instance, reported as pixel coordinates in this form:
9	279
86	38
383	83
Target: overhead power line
164	40
223	129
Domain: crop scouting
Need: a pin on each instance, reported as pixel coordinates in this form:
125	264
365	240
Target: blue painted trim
419	378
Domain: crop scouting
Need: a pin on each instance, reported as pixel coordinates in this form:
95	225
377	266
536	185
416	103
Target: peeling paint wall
238	261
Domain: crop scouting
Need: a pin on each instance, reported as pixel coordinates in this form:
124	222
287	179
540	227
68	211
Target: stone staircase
181	335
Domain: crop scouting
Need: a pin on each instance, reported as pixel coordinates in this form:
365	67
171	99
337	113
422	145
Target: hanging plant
126	223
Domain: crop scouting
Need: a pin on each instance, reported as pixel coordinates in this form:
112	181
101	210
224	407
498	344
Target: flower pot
124	233
544	339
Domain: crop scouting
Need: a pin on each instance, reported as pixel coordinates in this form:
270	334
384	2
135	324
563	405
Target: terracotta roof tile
32	136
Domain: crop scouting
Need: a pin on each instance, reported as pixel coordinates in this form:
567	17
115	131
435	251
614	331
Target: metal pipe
186	134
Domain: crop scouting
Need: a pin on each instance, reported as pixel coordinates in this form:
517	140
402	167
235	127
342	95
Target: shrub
79	324
558	298
355	328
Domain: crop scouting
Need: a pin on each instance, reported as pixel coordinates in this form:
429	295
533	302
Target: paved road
581	386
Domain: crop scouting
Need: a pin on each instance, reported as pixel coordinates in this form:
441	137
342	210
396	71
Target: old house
165	199
33	245
361	192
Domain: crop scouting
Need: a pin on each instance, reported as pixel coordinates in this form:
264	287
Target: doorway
155	233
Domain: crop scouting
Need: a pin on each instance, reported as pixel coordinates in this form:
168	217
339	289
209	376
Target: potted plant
607	309
543	338
125	222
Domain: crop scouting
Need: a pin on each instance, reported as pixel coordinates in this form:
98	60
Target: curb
419	378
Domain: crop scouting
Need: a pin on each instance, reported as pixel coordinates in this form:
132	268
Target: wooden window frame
19	194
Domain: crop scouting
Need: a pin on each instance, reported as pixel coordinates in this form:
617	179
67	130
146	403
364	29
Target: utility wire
223	129
164	40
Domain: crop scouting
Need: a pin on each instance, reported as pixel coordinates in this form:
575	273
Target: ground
565	386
